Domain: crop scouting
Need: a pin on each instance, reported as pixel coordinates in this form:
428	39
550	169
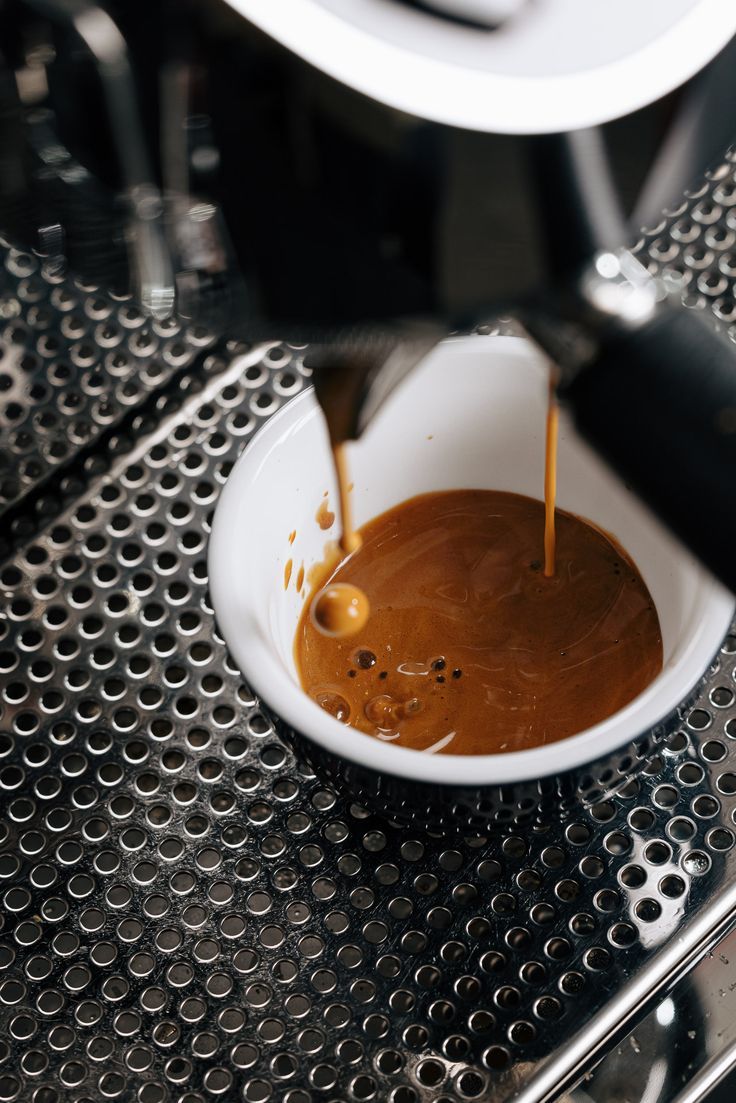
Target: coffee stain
324	517
320	571
287	573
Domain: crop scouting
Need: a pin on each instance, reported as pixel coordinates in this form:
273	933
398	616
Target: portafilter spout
356	372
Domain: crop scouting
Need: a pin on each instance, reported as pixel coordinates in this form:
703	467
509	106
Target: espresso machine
205	208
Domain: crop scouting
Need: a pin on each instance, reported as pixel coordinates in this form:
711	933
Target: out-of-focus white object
487	13
553	65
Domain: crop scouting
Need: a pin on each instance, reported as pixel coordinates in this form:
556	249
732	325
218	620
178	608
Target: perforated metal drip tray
73	361
187	912
188	915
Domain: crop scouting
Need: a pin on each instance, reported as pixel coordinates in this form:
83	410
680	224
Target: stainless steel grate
694	246
188	915
73	361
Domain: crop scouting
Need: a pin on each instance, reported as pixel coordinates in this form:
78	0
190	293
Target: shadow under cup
471	416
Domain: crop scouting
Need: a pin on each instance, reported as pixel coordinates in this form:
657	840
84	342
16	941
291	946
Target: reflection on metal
713	1074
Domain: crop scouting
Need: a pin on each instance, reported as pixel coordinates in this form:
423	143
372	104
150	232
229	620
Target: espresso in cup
469	647
475	621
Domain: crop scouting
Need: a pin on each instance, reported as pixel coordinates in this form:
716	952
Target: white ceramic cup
607	59
472	415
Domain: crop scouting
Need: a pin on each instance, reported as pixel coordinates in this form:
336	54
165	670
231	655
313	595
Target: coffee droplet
364	659
381	710
340	609
386	712
411	707
332	702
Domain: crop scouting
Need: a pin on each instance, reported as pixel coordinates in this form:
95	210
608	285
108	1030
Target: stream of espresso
550	481
349	539
338	609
